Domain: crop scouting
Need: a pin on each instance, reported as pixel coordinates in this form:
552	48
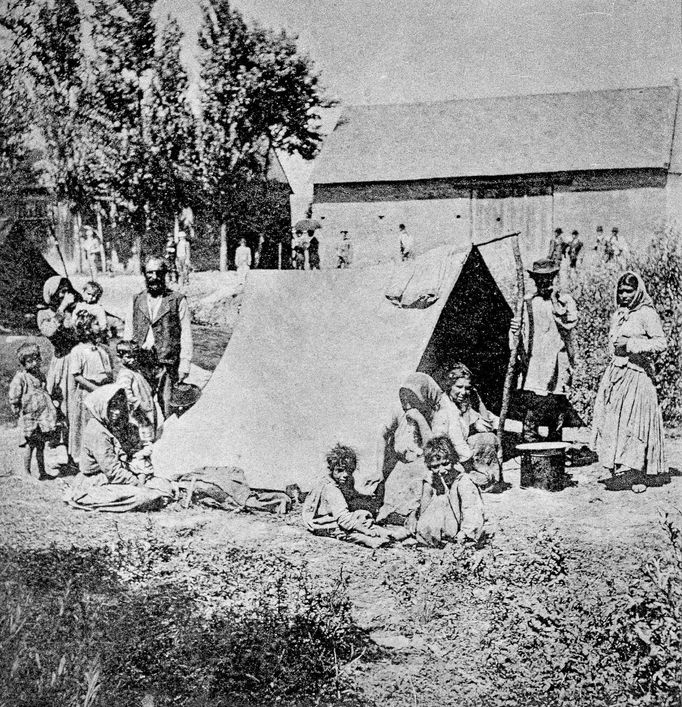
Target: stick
498	238
516	338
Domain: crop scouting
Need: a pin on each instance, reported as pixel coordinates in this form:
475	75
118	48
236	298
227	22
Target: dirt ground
604	533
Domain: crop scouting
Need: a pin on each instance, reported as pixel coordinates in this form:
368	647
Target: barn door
497	213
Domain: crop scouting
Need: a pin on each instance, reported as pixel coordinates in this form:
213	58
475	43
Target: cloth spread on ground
226	487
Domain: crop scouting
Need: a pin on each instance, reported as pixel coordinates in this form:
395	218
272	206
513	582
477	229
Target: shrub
661	268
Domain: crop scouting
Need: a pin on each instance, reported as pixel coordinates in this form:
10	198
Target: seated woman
463	418
329	509
400	446
451	508
113	475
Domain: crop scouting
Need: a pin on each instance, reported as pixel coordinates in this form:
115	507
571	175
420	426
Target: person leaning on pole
159	322
546	355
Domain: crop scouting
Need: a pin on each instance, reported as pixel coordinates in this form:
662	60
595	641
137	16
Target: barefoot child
32	403
90	367
451	508
141	403
326	510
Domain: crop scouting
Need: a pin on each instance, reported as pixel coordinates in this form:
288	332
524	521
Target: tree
141	92
258	95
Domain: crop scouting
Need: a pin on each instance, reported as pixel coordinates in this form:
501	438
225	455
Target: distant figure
92	249
171	257
573	249
344	251
599	243
406	243
556	247
182	255
298	246
242	261
259	252
615	247
313	251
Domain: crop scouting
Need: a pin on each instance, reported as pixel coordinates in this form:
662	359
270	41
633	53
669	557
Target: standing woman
628	425
56	323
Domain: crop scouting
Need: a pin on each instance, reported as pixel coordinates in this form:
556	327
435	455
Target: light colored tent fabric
316	358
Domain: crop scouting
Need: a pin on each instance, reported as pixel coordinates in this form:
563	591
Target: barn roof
559	132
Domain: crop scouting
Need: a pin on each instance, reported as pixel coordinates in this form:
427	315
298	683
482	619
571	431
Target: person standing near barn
182	258
573	250
159	322
344	251
242	261
546	354
406	243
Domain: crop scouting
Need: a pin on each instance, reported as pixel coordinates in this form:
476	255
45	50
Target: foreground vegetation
96	626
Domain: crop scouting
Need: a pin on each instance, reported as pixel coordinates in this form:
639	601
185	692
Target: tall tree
258	94
142	93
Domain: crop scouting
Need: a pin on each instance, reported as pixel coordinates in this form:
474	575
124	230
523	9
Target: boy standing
31	402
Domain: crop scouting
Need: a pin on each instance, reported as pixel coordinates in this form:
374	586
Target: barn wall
439	211
373	227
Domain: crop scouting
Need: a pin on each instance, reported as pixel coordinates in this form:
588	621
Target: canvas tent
23	271
318	357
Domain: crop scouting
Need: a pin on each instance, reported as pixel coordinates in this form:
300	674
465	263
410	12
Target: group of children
52	414
450	505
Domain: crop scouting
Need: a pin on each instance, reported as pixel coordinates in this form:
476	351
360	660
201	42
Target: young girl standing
90	366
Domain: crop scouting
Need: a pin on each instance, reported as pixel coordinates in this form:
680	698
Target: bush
661	268
105	626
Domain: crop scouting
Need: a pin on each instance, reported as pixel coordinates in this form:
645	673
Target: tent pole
516	339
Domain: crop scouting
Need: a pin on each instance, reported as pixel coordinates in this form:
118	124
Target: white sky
388	51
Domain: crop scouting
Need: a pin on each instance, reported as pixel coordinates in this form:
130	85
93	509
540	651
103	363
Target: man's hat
574	233
544	267
558	230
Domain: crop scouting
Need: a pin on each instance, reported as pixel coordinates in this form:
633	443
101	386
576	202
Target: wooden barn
468	170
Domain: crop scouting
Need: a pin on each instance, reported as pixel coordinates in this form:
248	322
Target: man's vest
166	326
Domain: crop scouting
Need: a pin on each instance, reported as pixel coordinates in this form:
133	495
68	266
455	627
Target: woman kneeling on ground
114	476
464	419
451	507
329	509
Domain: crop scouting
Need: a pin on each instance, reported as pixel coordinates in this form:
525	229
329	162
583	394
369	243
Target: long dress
93	362
109	478
627	423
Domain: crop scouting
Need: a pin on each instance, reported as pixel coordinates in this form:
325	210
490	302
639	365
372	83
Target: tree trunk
77	241
223	247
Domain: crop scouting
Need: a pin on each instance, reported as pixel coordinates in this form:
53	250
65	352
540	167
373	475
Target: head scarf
99	400
641	298
51	287
426	391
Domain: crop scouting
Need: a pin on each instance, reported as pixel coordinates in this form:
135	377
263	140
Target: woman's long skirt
627	428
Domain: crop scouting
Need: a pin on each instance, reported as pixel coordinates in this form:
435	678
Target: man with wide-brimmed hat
546	354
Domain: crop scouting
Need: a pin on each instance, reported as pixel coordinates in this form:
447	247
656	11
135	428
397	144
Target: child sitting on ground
37	413
327	509
90	366
451	507
92	294
141	403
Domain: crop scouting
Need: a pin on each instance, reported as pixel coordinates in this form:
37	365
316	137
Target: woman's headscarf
99	400
640	299
51	287
425	394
